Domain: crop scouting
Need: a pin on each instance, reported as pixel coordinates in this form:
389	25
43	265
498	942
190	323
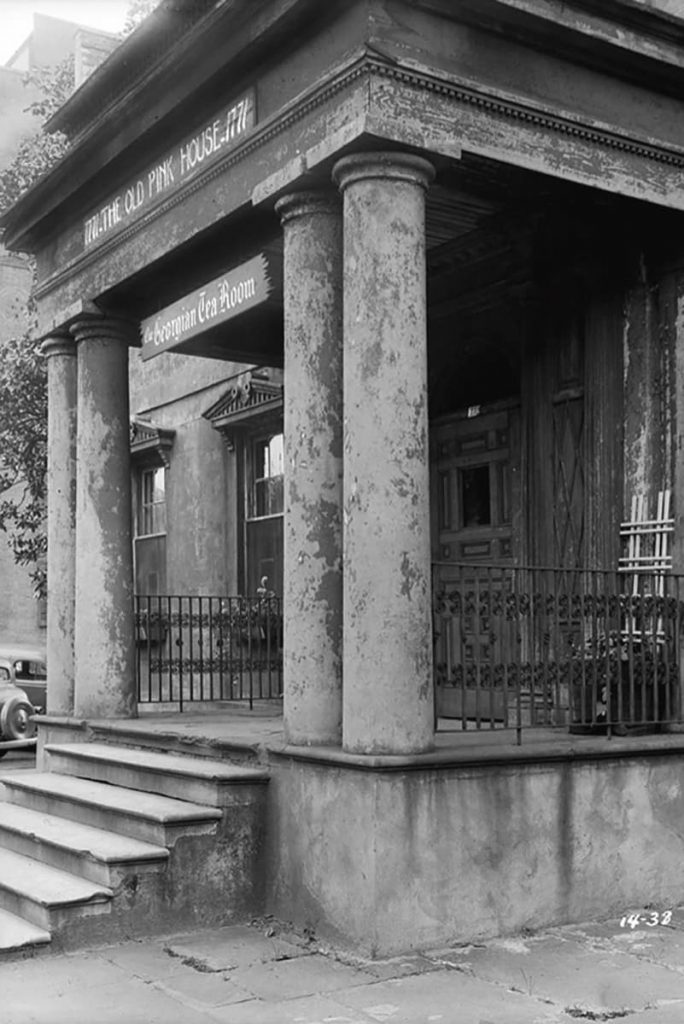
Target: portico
409	218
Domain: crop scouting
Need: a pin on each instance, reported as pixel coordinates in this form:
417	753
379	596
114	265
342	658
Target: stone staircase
113	843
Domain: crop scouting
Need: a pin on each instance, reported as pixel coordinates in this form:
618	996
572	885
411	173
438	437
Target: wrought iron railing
588	651
201	649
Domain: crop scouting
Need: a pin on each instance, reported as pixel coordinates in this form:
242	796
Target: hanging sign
164	177
207	307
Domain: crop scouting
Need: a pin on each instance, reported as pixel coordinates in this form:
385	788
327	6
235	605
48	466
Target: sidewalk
265	975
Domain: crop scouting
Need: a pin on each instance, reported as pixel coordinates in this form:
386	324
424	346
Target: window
150	533
264	506
267	479
152	504
475	496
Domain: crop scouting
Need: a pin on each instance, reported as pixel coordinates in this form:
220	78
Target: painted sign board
167	175
208	307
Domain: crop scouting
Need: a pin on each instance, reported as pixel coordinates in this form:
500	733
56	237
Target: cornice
250	397
516	109
367	69
150	443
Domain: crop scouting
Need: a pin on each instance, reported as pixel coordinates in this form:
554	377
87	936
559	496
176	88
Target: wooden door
475	521
475	468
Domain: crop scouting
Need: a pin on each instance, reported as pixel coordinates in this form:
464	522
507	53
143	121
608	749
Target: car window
4	672
30	670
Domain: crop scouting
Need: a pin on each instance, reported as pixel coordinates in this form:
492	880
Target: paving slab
202	991
55	975
290	979
447	997
665	1013
658	943
394	967
568	972
225	949
309	1010
147	960
131	1003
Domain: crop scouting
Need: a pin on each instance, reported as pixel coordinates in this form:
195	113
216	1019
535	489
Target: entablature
438	97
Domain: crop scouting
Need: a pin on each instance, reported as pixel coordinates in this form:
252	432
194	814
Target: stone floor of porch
239	732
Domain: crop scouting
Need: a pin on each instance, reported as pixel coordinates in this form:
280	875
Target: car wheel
15	719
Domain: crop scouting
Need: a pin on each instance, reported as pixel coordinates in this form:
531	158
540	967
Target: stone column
60	352
312	225
388	685
105	644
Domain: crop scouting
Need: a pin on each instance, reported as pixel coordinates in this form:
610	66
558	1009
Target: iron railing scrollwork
518	647
206	649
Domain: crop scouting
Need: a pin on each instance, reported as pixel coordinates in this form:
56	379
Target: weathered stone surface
312	666
388	703
228	974
446	997
104	641
225	949
291	979
61	522
548	968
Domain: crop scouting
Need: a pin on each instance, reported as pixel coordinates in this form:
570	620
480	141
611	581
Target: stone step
146	816
96	854
18	935
197	779
46	896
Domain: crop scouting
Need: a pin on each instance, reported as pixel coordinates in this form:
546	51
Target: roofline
77	25
165	79
114	137
130	61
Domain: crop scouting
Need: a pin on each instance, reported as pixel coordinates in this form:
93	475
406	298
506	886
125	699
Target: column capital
386	166
61	344
303	204
106	328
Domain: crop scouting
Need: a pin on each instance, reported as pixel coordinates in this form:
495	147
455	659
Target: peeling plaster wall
648	378
419	858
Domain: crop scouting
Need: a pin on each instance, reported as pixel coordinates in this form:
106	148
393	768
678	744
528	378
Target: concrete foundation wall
394	861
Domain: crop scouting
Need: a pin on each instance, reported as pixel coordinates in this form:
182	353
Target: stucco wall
198	506
410	859
174	391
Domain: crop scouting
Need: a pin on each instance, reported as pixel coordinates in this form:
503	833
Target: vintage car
27	670
17	728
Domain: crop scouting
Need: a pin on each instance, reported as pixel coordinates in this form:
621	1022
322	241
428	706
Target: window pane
261	460
261	498
275	495
152	511
266	498
475	496
276	456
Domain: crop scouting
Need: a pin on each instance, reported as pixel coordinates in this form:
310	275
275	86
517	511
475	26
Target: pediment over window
250	401
150	444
